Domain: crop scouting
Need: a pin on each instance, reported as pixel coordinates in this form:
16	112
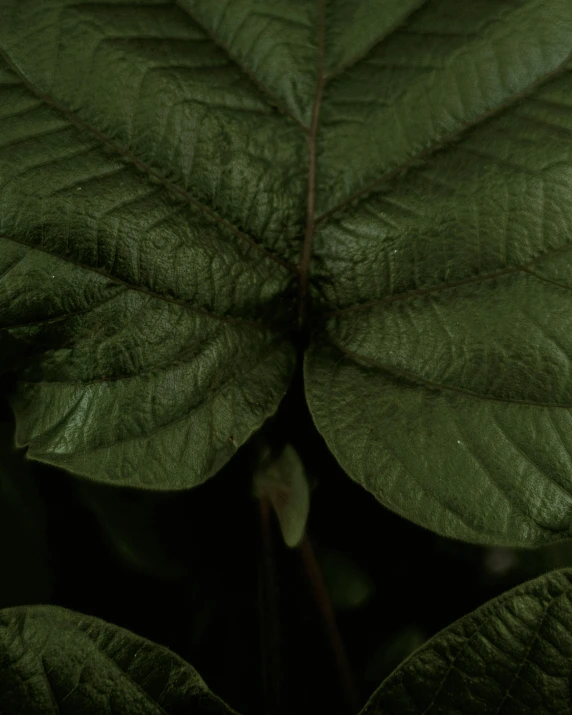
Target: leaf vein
406	295
169	425
150	172
270	96
402	372
140	289
376	42
447	140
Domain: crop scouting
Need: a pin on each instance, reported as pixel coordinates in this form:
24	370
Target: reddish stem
329	623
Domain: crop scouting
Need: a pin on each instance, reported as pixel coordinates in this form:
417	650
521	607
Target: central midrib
304	264
312	220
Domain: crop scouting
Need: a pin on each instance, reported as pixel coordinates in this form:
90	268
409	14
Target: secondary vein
414	377
447	140
128	156
440	287
228	319
269	94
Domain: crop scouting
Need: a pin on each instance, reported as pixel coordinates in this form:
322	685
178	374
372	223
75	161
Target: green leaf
282	480
57	662
145	211
184	184
441	379
511	656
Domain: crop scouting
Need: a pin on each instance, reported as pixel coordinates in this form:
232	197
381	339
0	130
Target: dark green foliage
183	186
223	224
55	662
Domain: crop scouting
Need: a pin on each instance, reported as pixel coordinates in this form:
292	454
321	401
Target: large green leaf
57	662
143	205
441	380
163	167
512	656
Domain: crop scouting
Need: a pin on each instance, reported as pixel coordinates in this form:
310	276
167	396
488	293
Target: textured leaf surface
142	203
163	167
442	379
512	656
57	662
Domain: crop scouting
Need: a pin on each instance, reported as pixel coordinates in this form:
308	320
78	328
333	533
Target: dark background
183	569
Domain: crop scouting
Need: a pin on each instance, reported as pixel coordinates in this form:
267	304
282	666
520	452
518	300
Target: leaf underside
179	181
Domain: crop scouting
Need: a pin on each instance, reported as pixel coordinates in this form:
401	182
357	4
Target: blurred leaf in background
282	480
348	585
